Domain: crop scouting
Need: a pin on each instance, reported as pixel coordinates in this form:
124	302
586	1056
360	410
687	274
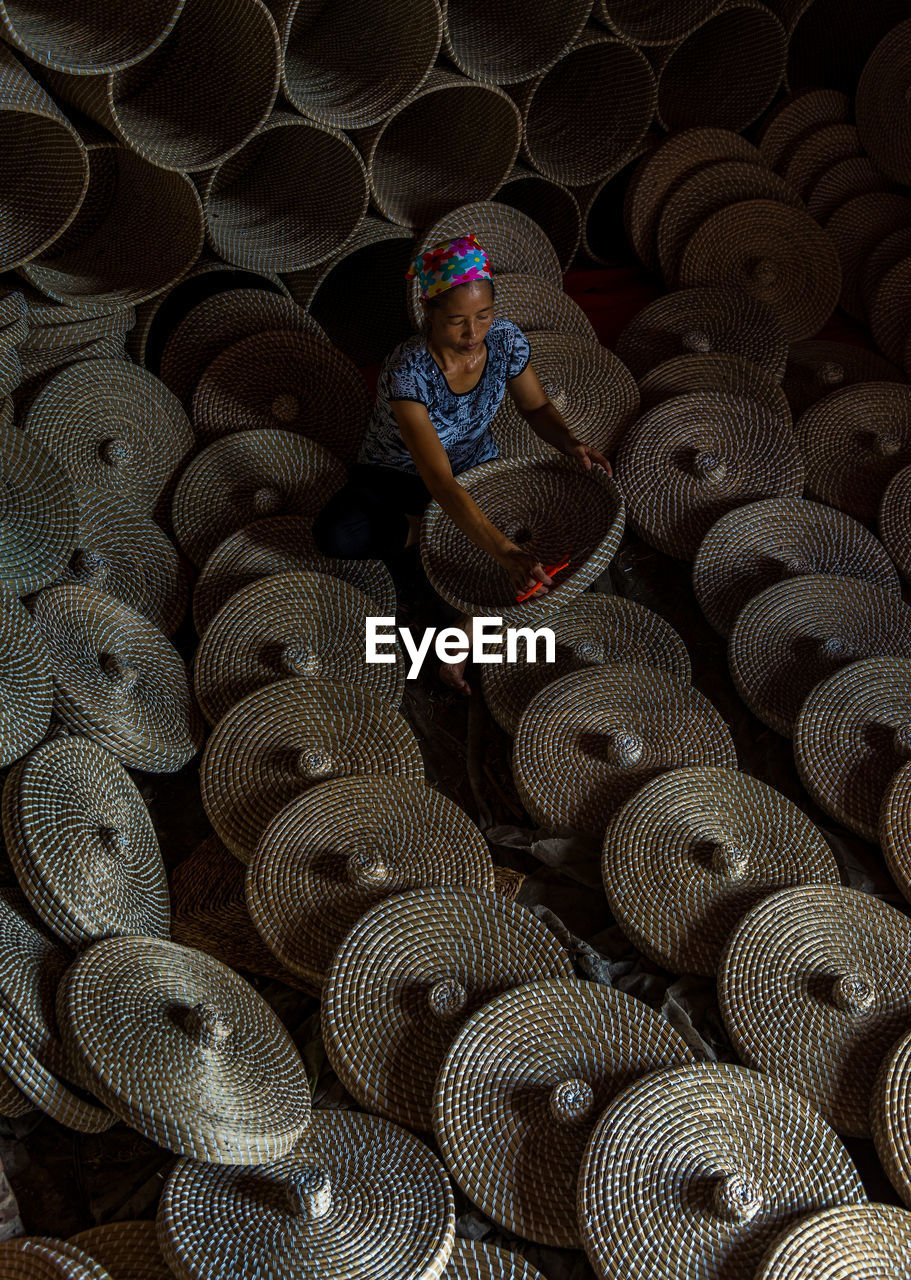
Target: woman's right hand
525	570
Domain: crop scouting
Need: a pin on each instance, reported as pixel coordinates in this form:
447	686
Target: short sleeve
519	355
399	381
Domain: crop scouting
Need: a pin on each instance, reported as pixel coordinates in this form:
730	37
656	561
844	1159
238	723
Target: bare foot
453	673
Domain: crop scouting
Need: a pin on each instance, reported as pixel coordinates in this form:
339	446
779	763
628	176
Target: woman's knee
337	535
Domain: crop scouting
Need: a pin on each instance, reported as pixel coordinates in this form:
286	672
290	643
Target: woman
436	396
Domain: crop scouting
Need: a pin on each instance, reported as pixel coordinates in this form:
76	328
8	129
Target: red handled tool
550	570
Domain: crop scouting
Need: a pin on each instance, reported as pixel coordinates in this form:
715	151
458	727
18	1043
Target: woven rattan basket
856	228
413	179
895	828
540	308
31	1258
471	1260
871	1239
895	521
817	152
654	24
889	1116
890	312
881	95
550	204
816	369
26	685
88	39
854	176
796	116
713	372
39	513
504	43
126	1250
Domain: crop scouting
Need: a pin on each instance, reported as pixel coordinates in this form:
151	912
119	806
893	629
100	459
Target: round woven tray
591	630
413	179
549	506
575	133
895	521
39	513
694	1171
852	734
26	684
42	1258
345	846
282	545
522	1087
287	626
855	176
890	310
288	737
712	187
126	1250
725	73
895	828
248	476
816	369
793	635
118	680
694	458
855	229
889	1116
817	152
777	254
10	372
471	1260
795	117
289	199
594	392
713	372
408	975
138	232
284	380
887	254
882	118
184	1050
357	1199
652	24
754	546
513	242
656	178
325	74
31	1053
693	850
814	989
587	742
721	320
853	442
92	44
858	1240
550	204
506	45
45	167
114	428
539	308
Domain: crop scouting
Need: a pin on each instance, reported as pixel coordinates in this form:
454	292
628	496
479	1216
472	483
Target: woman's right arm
430	458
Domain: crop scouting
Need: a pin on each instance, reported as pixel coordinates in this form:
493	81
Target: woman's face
463	317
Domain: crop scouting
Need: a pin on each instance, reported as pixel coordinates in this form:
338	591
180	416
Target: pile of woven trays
208	208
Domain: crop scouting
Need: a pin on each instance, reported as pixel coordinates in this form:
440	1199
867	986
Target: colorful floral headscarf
450	263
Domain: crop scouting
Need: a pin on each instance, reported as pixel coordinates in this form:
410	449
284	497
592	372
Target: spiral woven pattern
692	851
37	1258
888	1116
408	975
882	117
587	742
521	1089
593	390
82	39
332	854
713	372
38	510
590	630
118	680
126	1250
817	152
797	116
248	476
694	458
895	521
550	204
505	44
26	685
288	626
814	989
855	176
870	1239
855	229
890	310
548	505
288	737
755	546
357	1199
895	829
719	320
282	545
284	380
539	307
472	1260
817	368
854	441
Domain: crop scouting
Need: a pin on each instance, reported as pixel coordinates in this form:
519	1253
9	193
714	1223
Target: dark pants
367	518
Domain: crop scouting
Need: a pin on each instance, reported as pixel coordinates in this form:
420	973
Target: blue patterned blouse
462	419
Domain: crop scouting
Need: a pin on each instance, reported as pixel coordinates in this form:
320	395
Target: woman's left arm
545	420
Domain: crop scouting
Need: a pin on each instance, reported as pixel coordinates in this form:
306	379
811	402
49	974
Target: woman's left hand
588	458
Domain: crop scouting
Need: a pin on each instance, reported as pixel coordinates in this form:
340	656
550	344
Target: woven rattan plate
39	1258
814	988
407	976
817	368
522	1087
713	372
287	737
817	152
549	506
184	1050
118	679
587	742
895	828
590	630
472	1260
346	845
692	459
538	306
281	545
881	102
693	850
693	1172
855	229
290	625
38	511
357	1199
26	684
82	844
126	1250
895	521
854	441
248	476
889	1115
857	1240
802	113
853	176
755	546
795	634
